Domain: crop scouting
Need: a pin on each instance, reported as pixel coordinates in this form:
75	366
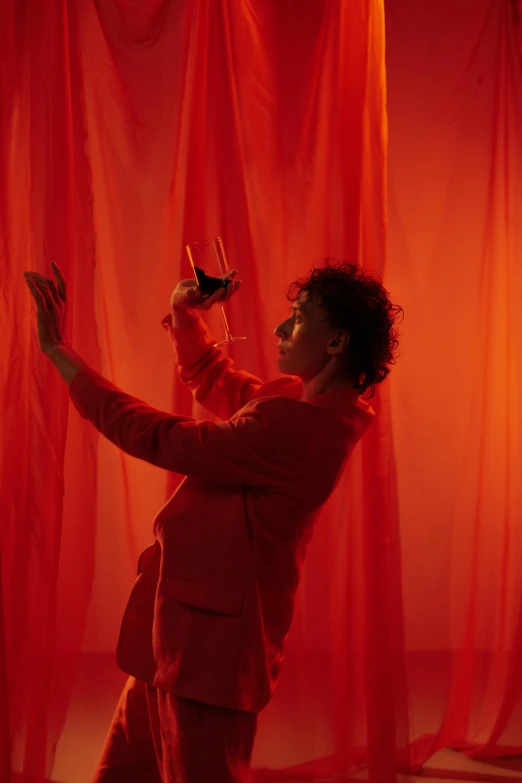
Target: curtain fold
47	555
454	238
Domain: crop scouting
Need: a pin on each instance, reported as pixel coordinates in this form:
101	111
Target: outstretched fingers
60	281
37	294
48	288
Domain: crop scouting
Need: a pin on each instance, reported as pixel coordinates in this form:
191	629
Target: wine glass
210	266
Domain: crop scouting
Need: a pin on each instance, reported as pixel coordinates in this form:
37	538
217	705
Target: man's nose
279	331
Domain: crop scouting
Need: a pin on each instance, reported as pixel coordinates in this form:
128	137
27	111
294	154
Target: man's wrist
66	361
51	350
184	318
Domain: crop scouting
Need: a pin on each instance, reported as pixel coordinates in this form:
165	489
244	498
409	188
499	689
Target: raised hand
50	299
188	296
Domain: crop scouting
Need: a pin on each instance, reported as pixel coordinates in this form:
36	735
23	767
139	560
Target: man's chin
284	366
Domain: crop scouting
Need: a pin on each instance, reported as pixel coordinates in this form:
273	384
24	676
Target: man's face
307	342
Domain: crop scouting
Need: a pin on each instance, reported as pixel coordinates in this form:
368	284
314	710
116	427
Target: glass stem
225	322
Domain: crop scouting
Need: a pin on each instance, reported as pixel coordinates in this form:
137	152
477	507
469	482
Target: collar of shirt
341	401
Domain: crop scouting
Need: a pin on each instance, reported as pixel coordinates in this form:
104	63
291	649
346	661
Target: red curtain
128	129
454	247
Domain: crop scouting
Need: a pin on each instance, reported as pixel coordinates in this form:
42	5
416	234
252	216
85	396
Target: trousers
157	737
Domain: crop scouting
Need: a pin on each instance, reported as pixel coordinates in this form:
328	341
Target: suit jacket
210	611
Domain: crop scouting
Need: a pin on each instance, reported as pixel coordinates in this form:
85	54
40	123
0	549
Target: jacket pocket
212	596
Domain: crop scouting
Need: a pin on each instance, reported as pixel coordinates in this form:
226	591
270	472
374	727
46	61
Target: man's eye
297	319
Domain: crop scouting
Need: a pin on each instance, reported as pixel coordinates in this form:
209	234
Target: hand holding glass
211	271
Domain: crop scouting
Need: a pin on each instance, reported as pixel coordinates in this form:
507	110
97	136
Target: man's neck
327	380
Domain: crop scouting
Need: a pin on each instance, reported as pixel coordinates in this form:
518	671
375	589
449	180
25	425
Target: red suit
211	608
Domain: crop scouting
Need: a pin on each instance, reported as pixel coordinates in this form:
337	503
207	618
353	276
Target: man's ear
338	343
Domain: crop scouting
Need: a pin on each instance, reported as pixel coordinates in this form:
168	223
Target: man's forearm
66	361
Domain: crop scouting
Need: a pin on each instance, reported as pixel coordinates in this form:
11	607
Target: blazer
211	608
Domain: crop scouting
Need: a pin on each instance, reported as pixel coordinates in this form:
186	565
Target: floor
91	711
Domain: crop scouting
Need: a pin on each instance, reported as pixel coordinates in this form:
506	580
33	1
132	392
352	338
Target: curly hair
356	301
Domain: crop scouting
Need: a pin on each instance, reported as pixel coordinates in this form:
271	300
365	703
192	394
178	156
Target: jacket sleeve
212	376
259	447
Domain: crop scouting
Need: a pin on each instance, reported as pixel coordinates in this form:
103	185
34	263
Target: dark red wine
209	285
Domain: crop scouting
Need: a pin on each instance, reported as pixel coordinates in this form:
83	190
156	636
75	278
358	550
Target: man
203	634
